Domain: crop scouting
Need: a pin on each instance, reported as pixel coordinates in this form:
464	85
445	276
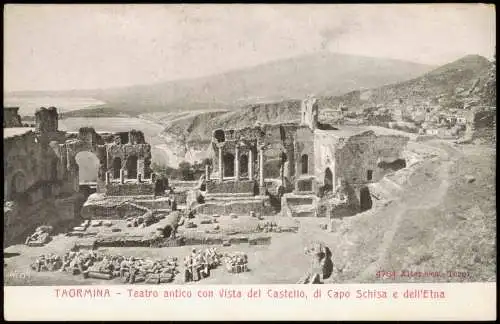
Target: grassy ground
439	222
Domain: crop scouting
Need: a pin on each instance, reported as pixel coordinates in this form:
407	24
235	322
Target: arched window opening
219	135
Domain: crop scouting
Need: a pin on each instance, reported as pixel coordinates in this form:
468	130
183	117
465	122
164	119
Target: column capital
262	146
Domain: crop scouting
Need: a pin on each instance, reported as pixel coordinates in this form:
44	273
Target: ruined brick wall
309	113
11	117
46	120
359	157
27	161
242	186
237	207
126	151
325	145
277	138
304	147
129	189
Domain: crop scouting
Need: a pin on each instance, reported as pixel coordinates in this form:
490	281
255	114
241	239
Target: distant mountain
469	78
322	74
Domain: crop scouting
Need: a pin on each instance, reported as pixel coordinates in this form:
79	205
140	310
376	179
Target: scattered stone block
226	243
96	223
115	230
206	221
99	275
470	179
233	216
191	225
107	223
79	229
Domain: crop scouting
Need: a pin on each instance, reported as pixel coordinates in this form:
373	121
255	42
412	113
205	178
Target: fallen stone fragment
470	178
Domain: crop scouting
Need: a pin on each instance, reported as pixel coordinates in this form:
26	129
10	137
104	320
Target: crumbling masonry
293	167
41	184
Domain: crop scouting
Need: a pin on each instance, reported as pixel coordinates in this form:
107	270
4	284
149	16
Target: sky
60	47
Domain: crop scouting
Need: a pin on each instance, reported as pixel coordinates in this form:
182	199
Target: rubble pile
96	265
199	263
142	221
268	226
40	237
236	262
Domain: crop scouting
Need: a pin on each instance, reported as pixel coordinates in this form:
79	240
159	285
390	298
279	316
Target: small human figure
188	274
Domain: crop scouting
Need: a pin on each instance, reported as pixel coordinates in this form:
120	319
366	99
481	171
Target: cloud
331	34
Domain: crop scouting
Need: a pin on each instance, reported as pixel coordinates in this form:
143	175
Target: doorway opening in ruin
365	199
369	175
18	185
116	166
228	165
328	180
219	135
88	167
244	165
305	163
132	167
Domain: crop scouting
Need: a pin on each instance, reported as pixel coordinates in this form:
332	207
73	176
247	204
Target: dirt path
411	202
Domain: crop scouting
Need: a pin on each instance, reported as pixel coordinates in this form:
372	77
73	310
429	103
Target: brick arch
100	152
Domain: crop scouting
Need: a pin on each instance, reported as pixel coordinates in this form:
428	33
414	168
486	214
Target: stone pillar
139	177
250	164
207	173
107	177
237	163
221	169
122	176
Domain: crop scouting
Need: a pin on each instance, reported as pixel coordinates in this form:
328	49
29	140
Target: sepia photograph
214	144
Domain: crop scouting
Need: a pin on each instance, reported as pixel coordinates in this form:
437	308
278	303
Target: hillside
453	84
469	78
199	128
323	74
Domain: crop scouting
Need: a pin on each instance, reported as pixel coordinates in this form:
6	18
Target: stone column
262	187
139	177
207	173
221	169
122	176
237	163
250	164
107	177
